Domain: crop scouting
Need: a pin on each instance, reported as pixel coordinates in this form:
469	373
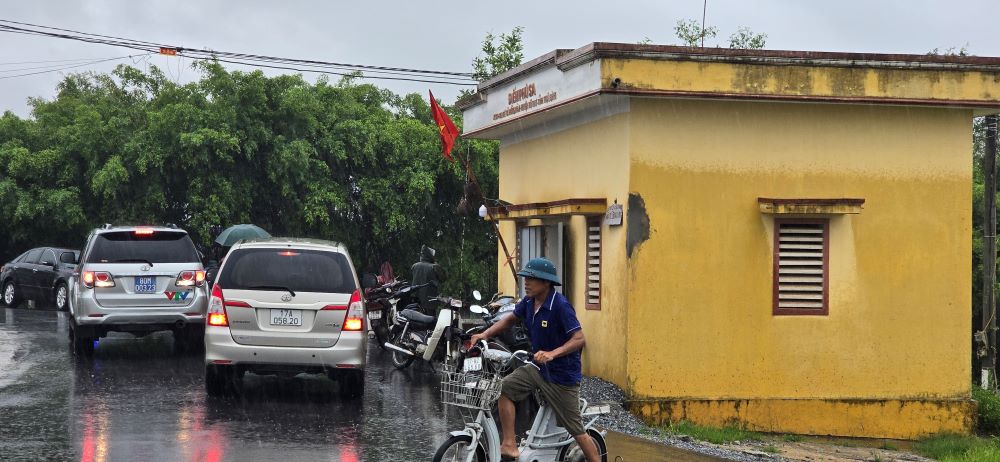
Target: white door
542	241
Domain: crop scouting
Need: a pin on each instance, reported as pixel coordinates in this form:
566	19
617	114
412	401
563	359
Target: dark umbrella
236	233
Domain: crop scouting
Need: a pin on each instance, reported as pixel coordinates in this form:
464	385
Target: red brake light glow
143	232
218	319
287	253
352	324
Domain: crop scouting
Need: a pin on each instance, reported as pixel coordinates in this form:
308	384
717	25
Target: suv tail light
355	319
91	279
191	278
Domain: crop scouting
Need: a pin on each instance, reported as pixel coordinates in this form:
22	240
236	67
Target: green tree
745	38
337	160
500	54
691	33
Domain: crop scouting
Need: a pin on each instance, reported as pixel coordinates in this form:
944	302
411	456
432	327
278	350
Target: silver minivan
138	279
286	306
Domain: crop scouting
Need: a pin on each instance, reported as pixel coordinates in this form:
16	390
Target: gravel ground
620	420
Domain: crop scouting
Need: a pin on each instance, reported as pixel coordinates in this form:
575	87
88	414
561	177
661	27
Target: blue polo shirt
550	328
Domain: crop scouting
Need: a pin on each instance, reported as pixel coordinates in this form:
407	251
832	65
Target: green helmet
540	268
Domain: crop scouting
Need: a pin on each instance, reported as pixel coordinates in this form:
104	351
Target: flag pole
489	215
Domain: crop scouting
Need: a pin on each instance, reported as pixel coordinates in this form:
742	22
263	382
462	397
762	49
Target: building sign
535	91
524	98
613	217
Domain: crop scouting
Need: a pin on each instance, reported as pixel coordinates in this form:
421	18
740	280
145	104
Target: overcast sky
446	35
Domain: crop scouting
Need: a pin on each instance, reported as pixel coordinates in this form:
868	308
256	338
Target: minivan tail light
217	308
355	318
190	278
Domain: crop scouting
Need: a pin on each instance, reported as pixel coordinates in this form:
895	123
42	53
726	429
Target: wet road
138	400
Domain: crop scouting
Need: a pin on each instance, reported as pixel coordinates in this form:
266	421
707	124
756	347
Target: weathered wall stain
638	223
848	82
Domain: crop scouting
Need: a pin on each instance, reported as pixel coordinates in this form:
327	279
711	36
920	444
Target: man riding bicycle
556	341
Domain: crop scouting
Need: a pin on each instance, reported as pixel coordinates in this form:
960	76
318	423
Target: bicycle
474	391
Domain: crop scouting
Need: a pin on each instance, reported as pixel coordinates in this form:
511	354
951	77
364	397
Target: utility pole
489	216
704	9
988	334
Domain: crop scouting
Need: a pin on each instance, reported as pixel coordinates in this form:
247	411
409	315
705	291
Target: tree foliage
746	39
336	160
691	34
500	54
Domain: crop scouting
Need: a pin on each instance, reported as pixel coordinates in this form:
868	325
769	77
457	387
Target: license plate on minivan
145	284
282	317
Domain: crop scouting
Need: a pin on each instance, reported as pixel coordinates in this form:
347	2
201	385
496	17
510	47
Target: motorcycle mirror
477	309
476	295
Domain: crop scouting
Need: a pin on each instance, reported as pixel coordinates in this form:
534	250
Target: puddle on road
625	448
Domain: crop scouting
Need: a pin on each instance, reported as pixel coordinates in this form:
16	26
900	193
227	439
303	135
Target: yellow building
775	239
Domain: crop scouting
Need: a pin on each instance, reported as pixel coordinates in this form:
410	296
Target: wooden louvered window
594	263
801	267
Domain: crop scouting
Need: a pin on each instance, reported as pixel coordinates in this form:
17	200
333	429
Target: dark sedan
39	274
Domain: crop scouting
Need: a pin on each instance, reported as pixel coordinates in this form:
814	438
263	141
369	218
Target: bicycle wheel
573	453
457	448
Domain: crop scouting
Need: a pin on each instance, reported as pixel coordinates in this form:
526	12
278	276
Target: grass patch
958	448
771	449
711	434
792	438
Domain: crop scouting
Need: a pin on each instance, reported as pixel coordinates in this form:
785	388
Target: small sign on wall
613	217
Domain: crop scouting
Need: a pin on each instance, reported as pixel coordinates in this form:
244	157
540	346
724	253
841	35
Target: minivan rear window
296	269
130	247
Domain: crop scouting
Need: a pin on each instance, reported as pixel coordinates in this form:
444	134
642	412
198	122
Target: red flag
445	127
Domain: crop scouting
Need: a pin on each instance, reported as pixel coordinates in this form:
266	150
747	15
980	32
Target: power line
247	59
329	72
18	63
69	67
50	66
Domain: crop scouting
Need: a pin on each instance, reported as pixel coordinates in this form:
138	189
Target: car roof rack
171	225
107	226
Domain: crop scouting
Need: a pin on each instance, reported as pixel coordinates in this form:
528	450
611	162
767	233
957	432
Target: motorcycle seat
417	317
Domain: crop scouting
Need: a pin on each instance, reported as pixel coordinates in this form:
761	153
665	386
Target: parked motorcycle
415	335
383	302
499	307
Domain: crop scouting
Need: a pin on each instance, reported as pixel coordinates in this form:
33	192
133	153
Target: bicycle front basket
476	390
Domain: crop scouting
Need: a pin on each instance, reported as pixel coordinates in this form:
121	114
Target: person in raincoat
427	271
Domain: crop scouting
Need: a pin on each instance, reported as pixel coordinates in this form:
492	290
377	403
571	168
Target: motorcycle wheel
399	359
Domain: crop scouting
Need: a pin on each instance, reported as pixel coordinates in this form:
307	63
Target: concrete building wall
700	320
585	161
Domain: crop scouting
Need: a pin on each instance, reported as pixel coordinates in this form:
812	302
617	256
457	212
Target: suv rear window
297	269
129	247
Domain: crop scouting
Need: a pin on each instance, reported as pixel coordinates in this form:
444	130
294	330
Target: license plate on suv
145	285
283	317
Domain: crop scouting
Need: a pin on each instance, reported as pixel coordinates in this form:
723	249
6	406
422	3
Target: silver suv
282	307
140	280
